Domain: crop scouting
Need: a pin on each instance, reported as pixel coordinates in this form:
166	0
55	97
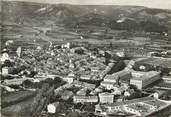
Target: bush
27	84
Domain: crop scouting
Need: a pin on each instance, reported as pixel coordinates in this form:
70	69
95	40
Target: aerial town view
82	60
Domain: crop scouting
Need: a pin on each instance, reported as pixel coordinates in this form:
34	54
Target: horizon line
74	3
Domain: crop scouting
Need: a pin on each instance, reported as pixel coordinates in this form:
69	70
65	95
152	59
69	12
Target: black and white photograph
85	58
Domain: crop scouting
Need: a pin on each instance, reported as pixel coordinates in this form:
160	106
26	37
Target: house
67	45
4	57
83	84
128	93
85	99
85	77
52	108
107	85
18	51
68	79
100	110
106	97
159	93
5	71
77	83
120	54
88	85
71	75
167	78
110	78
95	69
66	95
39	48
117	90
96	91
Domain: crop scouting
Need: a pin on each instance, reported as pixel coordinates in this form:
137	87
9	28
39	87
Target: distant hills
71	16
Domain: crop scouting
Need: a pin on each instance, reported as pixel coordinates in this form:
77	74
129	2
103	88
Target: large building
85	99
146	79
106	97
136	74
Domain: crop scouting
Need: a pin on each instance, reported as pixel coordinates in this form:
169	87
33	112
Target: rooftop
148	75
85	97
108	83
105	94
111	77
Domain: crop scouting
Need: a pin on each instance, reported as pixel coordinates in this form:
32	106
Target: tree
27	84
118	67
8	63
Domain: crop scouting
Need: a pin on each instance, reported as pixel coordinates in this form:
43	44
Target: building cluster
139	107
89	78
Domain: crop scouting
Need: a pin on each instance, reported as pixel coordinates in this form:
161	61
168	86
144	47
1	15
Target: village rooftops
85	77
107	83
83	84
95	69
111	77
167	78
139	107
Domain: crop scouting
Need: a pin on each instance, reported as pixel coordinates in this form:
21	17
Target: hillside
114	17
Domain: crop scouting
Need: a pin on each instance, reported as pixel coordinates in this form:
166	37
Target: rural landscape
65	60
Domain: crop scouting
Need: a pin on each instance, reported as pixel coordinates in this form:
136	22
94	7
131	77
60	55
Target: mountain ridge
99	15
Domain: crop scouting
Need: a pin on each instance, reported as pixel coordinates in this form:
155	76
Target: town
85	80
80	60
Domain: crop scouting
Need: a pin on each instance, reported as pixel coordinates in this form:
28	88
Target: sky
163	4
